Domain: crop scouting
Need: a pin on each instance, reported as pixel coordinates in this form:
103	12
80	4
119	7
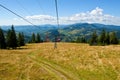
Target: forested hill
66	32
71	32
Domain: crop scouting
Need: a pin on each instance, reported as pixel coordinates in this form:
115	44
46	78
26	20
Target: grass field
70	61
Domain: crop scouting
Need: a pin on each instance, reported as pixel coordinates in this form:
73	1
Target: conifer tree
102	37
78	40
2	40
93	40
8	39
107	39
83	40
14	38
21	39
33	38
11	38
38	38
113	38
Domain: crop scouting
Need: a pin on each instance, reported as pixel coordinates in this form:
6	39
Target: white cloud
93	16
41	17
97	11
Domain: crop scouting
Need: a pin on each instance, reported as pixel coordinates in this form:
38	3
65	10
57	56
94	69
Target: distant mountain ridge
66	32
71	32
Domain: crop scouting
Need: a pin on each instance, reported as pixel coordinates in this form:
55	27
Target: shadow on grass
18	48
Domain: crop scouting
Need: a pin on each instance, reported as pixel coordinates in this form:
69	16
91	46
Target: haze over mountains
66	32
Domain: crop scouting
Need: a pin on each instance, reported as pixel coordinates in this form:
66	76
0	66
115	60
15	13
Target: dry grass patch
89	62
16	65
96	61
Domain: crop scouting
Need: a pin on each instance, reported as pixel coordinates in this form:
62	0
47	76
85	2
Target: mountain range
65	32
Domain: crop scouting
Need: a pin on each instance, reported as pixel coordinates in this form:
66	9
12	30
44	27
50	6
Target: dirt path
57	71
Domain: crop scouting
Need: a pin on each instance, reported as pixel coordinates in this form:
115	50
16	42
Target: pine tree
33	38
102	37
14	38
93	40
8	38
83	40
113	38
21	39
38	38
107	39
2	40
78	40
11	38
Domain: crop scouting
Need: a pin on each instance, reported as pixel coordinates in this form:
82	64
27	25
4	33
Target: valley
67	33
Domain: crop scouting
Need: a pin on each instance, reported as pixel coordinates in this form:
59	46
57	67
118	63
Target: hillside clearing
70	61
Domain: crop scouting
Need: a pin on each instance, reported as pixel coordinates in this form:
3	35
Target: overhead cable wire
57	17
20	4
38	2
17	15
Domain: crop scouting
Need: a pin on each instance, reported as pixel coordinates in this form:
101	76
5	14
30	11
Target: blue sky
70	11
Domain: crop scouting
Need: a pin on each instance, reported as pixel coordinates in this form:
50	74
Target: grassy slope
68	60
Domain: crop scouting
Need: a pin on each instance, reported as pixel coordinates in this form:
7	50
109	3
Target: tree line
105	38
35	38
11	40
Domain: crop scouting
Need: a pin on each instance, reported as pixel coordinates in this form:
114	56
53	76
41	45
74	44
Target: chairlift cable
17	15
24	8
57	17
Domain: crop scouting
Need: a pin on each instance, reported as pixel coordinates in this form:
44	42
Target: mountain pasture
70	61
